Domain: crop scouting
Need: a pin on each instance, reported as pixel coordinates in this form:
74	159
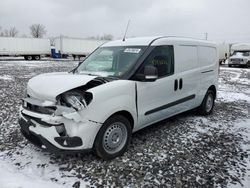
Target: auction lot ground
184	151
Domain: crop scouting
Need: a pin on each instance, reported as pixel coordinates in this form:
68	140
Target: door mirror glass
150	73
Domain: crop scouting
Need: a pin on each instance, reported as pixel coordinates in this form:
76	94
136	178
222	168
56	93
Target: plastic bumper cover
42	131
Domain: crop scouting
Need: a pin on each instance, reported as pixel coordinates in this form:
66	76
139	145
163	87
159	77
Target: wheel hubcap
115	137
209	103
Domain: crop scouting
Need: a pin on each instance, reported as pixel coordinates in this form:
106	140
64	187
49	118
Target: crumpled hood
48	86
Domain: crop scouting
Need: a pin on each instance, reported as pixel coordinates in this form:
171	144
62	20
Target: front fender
110	98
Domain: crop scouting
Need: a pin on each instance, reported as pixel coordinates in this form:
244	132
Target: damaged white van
122	87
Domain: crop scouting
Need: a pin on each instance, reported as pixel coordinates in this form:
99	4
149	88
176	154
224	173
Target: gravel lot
184	151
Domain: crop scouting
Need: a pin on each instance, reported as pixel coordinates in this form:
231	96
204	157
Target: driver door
153	98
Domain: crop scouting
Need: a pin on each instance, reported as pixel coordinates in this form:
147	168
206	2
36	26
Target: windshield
111	61
241	53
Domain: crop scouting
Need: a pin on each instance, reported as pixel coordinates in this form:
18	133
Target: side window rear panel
186	57
207	55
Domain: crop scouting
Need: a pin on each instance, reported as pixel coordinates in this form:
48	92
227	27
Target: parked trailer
223	51
77	47
29	48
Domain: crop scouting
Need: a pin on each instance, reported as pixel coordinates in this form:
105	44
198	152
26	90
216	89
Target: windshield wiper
89	74
73	70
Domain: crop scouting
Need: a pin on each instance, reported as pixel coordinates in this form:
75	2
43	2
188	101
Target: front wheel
207	104
113	137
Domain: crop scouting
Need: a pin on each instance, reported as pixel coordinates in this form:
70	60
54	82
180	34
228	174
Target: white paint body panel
223	48
48	86
24	46
196	62
76	46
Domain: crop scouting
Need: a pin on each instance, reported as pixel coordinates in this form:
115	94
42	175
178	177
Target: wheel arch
127	115
213	88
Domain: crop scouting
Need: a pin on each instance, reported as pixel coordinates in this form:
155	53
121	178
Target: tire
37	57
229	65
29	57
113	137
248	64
207	104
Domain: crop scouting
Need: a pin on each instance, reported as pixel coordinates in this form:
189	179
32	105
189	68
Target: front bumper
42	131
41	142
238	63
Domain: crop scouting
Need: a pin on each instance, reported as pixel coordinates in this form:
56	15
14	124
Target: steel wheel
115	137
209	103
37	57
29	57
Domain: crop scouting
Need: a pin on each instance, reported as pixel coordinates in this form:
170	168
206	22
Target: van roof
158	40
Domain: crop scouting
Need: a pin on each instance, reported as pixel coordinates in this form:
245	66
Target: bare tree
13	32
107	37
103	37
52	41
37	30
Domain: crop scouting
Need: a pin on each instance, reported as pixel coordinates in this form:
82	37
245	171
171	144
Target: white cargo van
122	87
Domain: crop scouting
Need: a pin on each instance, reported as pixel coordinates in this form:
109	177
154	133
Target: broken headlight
76	99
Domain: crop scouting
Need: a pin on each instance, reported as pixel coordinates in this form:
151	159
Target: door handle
180	83
175	84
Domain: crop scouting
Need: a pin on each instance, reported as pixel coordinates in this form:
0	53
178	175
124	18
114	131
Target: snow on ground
11	177
185	151
5	77
244	127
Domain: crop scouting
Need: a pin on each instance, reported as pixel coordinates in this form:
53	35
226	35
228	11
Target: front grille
39	109
236	60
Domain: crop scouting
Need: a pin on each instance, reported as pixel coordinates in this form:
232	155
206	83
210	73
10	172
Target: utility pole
206	35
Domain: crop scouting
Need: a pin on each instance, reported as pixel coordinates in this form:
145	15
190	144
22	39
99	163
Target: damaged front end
61	126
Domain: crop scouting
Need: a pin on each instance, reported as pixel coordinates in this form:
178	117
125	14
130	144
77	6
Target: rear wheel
247	65
113	138
37	57
207	104
29	57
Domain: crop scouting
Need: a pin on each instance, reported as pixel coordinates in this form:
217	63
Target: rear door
188	70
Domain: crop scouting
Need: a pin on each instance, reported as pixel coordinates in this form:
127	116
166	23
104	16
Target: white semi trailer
29	48
223	51
77	47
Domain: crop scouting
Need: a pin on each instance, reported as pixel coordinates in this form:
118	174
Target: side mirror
150	74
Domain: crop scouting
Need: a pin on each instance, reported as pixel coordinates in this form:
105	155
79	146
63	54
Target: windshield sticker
132	50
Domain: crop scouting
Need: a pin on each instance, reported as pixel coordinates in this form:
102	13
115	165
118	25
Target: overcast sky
223	20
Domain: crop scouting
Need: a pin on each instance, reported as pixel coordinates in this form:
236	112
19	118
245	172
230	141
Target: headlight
75	100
